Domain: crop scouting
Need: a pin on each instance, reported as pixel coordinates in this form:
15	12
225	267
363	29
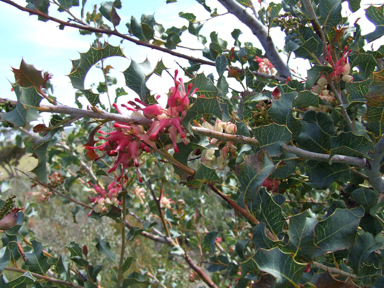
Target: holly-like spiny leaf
322	175
337	232
108	10
365	62
376	16
301	235
41	6
314	74
24	111
272	138
350	144
105	248
88	59
281	113
365	245
203	175
307	49
330	11
306	99
208	106
252	173
209	241
66	4
37	262
136	76
28	76
281	265
358	90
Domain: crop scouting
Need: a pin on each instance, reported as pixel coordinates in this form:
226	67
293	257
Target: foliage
275	185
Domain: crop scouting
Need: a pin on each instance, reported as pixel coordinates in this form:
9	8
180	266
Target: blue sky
50	49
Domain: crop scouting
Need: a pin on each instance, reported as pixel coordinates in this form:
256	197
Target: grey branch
260	32
373	167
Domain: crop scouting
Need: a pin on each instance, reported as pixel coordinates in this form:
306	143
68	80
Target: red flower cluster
103	199
128	141
341	67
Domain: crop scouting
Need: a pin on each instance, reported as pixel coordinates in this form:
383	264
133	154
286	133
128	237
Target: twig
54	190
82	164
44	278
333	270
108	32
260	32
119	274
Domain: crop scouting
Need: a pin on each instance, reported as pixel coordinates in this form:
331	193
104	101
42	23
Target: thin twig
333	270
54	190
119	274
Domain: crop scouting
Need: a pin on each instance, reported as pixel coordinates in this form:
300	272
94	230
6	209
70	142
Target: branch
55	191
373	167
260	32
333	270
82	164
355	161
108	32
44	278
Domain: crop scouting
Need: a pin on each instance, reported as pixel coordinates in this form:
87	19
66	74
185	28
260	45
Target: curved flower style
129	141
103	199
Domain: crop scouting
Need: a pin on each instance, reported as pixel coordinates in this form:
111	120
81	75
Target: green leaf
127	263
205	85
306	99
354	5
313	138
235	34
322	175
260	239
347	143
358	90
202	106
252	173
337	232
203	175
37	262
365	245
314	74
223	86
75	250
24	112
66	4
108	10
88	59
189	16
40	146
271	213
221	64
39	5
160	67
135	279
281	113
376	16
272	138
281	265
136	29
218	263
105	248
327	280
367	198
301	235
5	257
241	245
365	62
135	77
330	12
209	241
22	281
92	98
202	2
307	49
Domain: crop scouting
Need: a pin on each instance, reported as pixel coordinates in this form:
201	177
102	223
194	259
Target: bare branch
373	167
260	32
355	161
